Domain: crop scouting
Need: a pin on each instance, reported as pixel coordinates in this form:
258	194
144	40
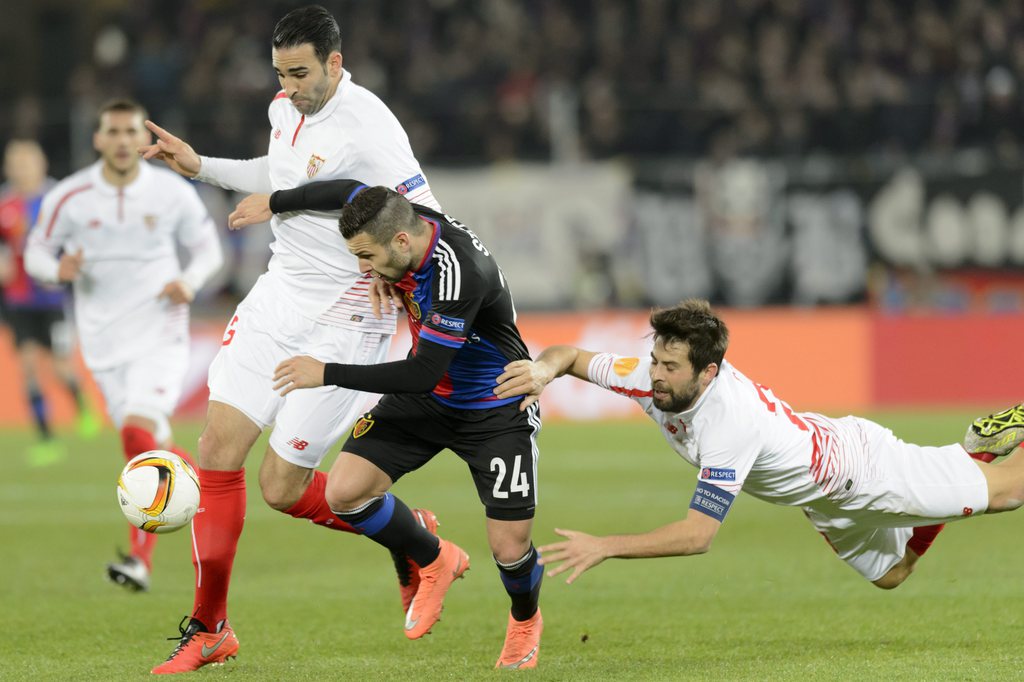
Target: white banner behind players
555	229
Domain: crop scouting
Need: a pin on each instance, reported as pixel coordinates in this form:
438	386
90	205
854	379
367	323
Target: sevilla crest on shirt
314	165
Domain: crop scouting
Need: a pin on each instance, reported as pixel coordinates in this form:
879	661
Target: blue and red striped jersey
458	298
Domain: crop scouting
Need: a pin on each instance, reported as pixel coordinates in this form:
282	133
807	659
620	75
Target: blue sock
38	403
522	581
387	521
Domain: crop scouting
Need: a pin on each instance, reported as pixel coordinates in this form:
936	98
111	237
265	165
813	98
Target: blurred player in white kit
312	299
112	230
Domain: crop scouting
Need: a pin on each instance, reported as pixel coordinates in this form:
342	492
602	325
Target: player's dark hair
380	212
694	323
120	104
312	24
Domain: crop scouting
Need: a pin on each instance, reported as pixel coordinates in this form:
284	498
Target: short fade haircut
312	24
694	323
120	104
379	212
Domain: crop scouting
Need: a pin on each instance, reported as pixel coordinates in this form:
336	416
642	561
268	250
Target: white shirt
128	237
740	436
354	137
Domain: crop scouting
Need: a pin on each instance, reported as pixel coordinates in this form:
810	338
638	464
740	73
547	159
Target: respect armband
711	500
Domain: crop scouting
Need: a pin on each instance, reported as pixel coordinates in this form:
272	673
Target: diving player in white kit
878	501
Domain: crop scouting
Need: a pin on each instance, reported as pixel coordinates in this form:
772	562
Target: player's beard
397	266
309	104
677	401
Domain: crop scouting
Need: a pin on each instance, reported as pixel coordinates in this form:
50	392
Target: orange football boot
522	643
408	571
435	579
197	649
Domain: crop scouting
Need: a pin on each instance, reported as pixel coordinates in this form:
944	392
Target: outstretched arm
330	195
417	374
250	175
529	377
580	552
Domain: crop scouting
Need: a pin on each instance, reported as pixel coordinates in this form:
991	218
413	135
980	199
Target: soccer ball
158	491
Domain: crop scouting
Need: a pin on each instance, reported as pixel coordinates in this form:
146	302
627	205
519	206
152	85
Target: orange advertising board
833	360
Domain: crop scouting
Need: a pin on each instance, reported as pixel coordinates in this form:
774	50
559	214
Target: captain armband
711	500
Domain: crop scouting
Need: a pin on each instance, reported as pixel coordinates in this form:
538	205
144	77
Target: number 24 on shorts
517	484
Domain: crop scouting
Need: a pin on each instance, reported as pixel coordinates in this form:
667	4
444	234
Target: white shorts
913	486
261	334
148	386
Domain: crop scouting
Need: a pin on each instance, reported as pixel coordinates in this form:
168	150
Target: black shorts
404	432
34	324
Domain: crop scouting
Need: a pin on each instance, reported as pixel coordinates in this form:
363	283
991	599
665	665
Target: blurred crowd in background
768	98
483	80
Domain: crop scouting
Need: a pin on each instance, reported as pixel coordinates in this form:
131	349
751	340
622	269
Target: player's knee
279	494
509	544
215	450
346	494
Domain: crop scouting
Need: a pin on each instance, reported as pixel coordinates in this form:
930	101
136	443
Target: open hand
251	210
177	291
70	266
300	371
523	377
578	553
384	297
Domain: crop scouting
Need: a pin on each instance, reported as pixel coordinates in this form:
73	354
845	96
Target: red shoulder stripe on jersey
56	210
280	95
632	392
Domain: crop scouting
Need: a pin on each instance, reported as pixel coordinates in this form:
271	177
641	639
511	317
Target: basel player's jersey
458	298
17	215
739	435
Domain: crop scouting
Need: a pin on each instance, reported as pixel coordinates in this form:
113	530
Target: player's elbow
701	546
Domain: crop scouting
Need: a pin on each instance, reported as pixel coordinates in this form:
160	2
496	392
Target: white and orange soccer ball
158	491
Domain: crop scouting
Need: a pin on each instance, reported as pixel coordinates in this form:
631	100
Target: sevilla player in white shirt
312	300
112	230
878	501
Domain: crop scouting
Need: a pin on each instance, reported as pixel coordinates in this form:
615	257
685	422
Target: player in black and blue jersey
35	313
462	321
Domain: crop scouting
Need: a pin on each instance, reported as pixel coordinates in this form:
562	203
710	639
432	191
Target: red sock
135	440
982	456
313	506
923	538
215	532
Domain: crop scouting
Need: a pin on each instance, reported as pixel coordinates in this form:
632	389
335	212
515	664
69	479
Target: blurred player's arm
580	551
196	232
249	175
47	237
7	271
529	377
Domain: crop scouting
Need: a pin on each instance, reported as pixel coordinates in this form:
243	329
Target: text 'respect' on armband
711	500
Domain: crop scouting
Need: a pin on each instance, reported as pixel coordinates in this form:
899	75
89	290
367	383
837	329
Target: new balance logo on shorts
298	444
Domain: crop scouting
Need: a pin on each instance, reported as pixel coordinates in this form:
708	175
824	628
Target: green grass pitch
769	602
